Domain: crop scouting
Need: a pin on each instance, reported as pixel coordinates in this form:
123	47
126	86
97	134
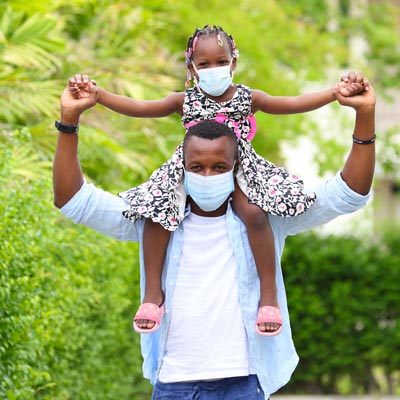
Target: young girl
260	188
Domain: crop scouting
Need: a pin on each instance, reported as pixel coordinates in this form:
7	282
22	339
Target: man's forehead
199	149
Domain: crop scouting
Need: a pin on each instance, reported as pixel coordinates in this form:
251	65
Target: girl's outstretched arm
351	84
142	108
126	105
264	102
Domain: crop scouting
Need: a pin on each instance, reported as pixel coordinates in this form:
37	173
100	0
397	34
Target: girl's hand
352	84
79	95
80	86
363	102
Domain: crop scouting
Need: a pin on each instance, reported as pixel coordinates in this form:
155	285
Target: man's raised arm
67	174
359	167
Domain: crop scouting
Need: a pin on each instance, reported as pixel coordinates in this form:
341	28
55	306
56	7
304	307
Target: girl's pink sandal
151	312
269	314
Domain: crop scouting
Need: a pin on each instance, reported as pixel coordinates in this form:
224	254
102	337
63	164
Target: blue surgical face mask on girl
214	81
209	192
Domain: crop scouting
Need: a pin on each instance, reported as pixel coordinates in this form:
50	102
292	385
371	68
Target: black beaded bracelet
66	128
369	141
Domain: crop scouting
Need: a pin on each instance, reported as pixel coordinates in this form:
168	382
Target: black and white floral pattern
270	187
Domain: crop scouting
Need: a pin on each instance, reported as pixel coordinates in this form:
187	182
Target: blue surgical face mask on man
214	81
209	192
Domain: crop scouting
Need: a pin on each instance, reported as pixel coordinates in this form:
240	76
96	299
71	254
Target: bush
344	307
67	297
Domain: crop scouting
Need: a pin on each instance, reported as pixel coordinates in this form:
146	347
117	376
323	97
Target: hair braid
209	30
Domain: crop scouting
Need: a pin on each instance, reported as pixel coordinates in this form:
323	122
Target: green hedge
344	302
67	297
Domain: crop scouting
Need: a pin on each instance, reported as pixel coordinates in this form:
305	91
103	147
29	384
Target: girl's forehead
209	45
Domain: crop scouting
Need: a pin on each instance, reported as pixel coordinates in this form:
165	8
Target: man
207	347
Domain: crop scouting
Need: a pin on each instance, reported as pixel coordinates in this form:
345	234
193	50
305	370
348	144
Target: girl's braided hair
209	30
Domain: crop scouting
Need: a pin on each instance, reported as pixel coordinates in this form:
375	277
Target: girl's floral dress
276	191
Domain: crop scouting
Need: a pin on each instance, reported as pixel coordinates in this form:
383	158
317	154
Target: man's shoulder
102	211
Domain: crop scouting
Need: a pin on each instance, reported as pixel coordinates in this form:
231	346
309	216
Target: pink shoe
269	314
149	311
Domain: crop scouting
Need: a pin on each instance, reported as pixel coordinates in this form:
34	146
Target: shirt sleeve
334	198
101	211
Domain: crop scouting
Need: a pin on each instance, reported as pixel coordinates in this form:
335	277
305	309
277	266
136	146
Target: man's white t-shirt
206	338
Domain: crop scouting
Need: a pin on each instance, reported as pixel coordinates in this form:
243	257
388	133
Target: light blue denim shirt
274	358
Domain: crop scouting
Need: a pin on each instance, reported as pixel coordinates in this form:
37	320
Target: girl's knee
254	217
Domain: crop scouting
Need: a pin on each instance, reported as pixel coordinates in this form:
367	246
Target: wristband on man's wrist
368	141
66	128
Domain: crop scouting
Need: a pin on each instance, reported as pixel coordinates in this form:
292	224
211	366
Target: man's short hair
210	129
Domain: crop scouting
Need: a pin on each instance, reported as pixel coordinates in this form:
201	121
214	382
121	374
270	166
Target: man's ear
235	167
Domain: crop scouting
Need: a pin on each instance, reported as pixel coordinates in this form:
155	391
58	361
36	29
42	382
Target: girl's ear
234	63
192	71
190	75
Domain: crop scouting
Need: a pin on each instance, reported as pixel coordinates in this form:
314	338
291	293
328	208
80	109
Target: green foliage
344	306
67	296
29	50
382	28
389	155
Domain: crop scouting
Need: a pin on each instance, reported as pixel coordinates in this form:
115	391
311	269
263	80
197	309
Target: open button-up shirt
273	358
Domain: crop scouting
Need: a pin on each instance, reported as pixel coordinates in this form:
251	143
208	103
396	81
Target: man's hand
81	86
362	102
78	96
352	83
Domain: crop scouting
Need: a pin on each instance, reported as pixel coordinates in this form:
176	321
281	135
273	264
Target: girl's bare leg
262	244
155	242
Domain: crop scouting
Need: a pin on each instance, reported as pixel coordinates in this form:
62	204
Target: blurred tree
136	49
